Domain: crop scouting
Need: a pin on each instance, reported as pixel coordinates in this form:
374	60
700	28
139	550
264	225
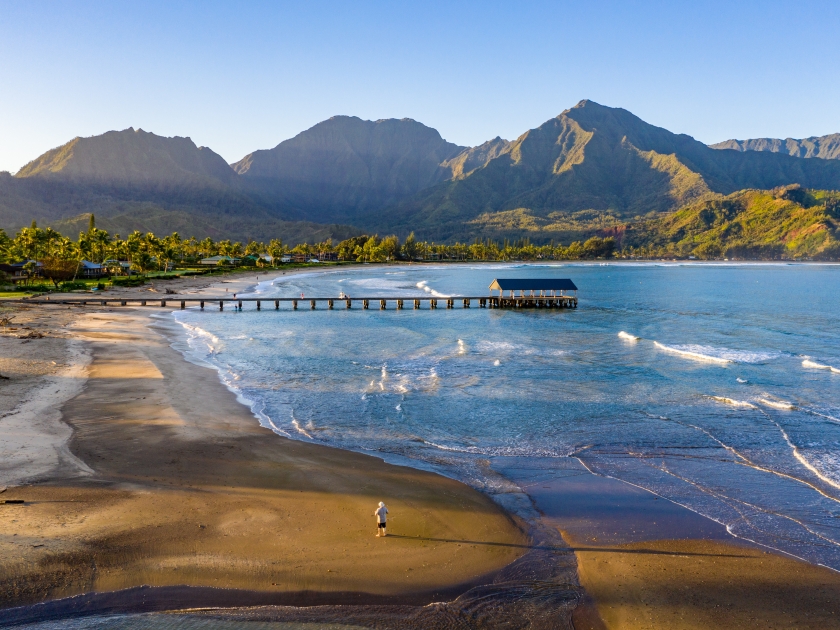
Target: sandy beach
649	563
153	474
139	468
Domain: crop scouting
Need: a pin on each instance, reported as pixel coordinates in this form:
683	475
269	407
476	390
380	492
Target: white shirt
380	514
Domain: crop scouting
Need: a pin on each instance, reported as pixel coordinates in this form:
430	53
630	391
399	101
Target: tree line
147	252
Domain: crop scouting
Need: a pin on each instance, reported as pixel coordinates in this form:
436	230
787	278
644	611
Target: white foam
711	354
807	363
497	362
299	428
690	352
627	336
733	402
742	380
462	349
424	284
777	404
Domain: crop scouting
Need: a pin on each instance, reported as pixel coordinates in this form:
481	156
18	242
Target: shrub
72	286
128	281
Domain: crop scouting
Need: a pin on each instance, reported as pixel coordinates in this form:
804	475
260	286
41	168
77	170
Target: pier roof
533	284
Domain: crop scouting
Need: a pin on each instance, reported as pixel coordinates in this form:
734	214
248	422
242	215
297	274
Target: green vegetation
587	172
789	223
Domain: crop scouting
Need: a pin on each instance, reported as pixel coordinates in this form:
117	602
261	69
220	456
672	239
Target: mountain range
586	171
825	147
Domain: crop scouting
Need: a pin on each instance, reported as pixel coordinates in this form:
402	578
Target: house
88	269
285	258
18	272
215	260
117	267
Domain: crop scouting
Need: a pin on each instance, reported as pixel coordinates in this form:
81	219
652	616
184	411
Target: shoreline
462	537
682	568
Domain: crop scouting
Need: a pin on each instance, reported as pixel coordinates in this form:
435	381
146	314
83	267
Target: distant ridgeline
592	171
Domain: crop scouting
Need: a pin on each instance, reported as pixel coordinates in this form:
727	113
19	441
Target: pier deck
383	303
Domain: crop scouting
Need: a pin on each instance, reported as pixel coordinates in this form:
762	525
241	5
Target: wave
711	354
299	428
742	380
777	404
462	349
692	352
733	402
627	336
424	284
497	362
807	363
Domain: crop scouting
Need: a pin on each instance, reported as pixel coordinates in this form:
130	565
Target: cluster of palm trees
147	252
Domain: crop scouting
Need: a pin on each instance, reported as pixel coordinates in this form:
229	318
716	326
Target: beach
171	481
139	468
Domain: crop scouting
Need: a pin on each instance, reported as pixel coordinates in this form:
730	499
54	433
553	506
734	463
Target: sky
242	76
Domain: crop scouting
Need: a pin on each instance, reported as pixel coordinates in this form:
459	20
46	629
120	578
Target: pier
531	296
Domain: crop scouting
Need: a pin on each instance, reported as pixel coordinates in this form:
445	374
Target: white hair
381	504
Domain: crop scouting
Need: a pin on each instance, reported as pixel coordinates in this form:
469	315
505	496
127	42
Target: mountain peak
130	156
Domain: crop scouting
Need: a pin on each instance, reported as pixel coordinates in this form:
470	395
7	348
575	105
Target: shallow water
718	395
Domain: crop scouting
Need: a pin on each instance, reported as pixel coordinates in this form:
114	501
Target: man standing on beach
380	515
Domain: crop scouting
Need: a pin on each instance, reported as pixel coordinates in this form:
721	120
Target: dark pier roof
533	284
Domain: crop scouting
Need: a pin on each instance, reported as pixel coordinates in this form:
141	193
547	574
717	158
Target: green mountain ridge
131	157
592	170
597	159
346	165
789	222
825	147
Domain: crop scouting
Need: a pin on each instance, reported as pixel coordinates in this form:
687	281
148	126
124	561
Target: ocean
716	386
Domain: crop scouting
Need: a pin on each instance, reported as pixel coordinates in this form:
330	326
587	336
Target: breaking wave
807	363
711	354
777	404
424	284
627	336
733	402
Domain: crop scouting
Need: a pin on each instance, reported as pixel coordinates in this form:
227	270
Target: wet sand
185	488
649	563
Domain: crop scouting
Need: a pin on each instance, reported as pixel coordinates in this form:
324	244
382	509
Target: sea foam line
733	402
697	356
777	404
424	284
807	363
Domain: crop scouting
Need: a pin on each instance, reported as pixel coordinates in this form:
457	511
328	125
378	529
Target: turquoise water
716	386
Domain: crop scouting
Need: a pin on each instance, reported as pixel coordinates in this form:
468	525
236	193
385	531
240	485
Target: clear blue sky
240	76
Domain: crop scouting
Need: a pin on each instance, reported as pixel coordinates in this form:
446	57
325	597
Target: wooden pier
382	303
513	293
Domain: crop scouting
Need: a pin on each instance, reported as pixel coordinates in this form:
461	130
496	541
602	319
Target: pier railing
430	303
